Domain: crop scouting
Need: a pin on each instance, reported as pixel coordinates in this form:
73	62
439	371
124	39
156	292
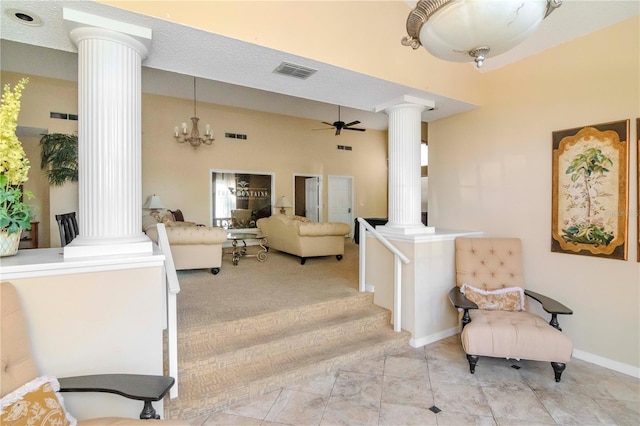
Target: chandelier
182	134
465	30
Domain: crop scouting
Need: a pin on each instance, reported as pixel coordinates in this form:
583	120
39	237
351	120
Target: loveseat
192	246
298	236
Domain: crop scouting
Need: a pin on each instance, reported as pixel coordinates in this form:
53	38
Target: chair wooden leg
558	368
473	360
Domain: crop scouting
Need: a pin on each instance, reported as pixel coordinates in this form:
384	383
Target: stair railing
173	288
398	257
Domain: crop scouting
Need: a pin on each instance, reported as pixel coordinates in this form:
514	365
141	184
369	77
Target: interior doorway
340	200
307	197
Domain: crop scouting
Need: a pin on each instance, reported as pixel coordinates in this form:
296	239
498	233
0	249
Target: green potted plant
15	214
59	158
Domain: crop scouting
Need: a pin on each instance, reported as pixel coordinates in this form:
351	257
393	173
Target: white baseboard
620	367
370	288
627	369
416	343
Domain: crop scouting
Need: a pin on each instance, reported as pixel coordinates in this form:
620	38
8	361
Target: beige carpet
252	288
256	327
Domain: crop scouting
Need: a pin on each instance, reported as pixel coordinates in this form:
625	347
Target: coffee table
239	251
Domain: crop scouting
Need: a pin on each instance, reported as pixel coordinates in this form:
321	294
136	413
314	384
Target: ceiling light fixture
182	134
24	17
465	30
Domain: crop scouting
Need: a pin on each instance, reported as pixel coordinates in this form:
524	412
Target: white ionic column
405	118
110	58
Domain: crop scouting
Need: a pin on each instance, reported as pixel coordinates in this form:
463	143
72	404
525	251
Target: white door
311	199
340	199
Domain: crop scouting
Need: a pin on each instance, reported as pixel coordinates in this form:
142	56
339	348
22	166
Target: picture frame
239	198
590	196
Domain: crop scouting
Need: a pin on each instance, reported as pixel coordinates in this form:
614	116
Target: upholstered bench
515	335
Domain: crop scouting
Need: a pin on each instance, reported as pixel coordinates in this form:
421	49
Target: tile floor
401	387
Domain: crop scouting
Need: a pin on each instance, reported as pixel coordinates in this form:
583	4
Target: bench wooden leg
473	360
558	368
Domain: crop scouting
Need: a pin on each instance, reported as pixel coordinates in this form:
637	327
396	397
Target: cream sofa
192	246
296	235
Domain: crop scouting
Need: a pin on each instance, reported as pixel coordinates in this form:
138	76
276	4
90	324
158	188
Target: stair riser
279	345
272	322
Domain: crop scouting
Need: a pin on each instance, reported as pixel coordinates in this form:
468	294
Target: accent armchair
490	295
31	399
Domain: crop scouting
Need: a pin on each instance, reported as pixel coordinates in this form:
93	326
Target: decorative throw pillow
177	215
502	299
167	219
301	218
35	403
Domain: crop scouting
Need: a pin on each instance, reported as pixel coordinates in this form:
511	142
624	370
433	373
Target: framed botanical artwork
590	190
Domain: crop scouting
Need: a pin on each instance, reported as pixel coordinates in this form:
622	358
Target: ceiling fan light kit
341	125
473	30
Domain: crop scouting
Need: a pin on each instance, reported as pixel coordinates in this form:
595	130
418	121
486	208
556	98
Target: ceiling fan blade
338	129
354	128
353	123
325	128
328	124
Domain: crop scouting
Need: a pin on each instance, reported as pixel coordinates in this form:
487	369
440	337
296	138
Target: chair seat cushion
520	335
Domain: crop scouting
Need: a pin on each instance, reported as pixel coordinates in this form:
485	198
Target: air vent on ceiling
294	70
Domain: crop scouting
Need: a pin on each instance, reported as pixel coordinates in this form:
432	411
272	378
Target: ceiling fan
341	125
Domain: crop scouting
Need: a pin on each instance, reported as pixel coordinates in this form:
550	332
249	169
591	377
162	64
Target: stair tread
246	373
276	318
374	315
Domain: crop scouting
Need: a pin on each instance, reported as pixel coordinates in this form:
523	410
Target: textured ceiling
242	73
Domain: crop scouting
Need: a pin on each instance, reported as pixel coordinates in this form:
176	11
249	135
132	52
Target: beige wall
278	144
490	170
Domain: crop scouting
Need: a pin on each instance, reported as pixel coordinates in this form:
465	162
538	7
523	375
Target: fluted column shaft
109	142
405	119
404	165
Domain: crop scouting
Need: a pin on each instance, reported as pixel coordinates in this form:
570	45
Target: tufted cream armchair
490	293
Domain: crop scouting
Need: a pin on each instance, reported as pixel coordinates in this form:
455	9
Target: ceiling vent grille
294	70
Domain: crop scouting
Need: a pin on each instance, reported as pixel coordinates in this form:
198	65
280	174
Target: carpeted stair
225	363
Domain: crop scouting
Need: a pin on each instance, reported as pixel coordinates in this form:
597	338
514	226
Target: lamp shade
283	202
465	30
154	202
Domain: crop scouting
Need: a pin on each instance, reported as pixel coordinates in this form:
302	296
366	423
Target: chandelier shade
473	30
